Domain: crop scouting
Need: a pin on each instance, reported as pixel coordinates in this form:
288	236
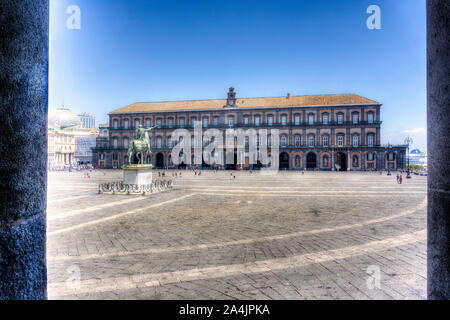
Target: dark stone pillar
438	14
23	148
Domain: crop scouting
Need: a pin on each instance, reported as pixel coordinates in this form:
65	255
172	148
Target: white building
69	143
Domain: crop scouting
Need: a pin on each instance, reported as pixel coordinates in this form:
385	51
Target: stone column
23	148
438	43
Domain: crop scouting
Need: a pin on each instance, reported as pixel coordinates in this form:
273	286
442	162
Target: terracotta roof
293	101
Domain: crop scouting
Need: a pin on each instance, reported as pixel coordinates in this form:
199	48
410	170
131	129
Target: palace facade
323	132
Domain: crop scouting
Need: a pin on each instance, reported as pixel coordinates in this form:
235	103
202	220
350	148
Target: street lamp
408	141
389	168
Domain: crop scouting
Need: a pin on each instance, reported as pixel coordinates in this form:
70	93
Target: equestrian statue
140	146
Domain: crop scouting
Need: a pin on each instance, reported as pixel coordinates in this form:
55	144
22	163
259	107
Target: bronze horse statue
140	146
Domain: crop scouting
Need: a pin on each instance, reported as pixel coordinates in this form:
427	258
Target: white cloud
419	136
415	131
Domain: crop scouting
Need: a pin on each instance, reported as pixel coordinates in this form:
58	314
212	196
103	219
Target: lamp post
389	168
408	141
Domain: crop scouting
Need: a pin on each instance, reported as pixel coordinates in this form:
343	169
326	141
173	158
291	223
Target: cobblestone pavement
321	235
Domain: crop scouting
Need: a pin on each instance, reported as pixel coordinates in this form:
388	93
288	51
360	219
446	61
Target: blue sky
134	51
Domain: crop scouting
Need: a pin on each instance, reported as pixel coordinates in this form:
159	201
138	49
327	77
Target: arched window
340	118
257	120
159	122
126	124
125	143
355	161
116	124
284	119
158	142
311	119
355	117
216	121
205	122
325	118
298	141
270	120
148	123
311	141
297	161
230	121
370	117
181	122
193	121
115	143
137	123
297	119
170	122
326	161
355	140
169	141
283	141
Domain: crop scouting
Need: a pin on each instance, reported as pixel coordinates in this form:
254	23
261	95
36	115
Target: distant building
324	132
418	157
69	143
87	121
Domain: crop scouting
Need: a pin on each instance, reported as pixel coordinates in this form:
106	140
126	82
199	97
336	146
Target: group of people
399	178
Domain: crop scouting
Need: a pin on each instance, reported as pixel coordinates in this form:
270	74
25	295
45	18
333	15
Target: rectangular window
370	141
355	141
270	120
246	122
340	141
257	120
355	118
325	141
311	119
230	121
116	124
148	123
297	120
370	118
205	122
340	118
325	119
170	122
283	120
182	122
311	141
137	123
158	122
126	124
216	121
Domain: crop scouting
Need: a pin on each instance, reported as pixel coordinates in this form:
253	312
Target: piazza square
238	235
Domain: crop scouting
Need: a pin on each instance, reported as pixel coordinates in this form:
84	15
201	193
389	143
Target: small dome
64	117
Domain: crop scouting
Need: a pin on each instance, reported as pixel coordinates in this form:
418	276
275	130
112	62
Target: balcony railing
261	125
167	147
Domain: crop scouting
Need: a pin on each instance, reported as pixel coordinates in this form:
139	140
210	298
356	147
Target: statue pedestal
139	175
